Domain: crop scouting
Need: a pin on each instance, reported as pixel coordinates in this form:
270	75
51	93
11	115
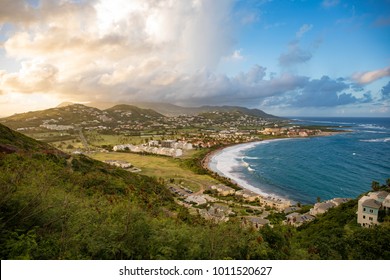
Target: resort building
119	163
322	207
247	195
196	199
223	190
255	222
295	219
370	206
274	202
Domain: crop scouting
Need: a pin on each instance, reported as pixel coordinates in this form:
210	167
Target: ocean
303	169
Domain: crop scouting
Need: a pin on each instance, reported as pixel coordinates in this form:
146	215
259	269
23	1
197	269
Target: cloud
237	55
98	47
371	76
149	50
294	55
304	28
15	11
385	92
319	93
32	77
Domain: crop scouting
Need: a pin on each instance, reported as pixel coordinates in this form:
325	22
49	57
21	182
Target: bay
302	169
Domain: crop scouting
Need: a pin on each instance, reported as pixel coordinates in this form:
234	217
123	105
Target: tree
375	186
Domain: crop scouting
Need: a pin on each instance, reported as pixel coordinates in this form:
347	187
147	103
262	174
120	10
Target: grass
161	167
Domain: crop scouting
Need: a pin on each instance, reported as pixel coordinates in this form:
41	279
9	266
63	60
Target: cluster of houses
290	131
371	207
119	163
57	127
250	196
217	213
170	148
123	164
297	219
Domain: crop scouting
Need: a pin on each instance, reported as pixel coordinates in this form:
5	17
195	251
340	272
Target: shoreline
207	160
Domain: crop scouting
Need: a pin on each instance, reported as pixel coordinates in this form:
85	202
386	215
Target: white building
369	207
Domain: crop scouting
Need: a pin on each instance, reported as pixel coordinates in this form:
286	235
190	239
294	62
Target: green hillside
56	206
72	114
80	115
129	112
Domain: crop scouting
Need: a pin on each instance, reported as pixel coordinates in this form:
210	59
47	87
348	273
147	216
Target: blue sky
303	58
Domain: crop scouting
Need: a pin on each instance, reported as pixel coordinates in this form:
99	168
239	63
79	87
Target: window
371	211
370	218
364	217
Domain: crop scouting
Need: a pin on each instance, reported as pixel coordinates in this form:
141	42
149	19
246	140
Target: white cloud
120	50
371	76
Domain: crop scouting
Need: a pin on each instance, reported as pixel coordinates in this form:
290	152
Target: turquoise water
342	165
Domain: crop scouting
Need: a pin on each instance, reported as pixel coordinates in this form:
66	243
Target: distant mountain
175	110
64	104
126	112
68	113
243	110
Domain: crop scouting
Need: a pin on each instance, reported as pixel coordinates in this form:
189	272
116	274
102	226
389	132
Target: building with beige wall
369	207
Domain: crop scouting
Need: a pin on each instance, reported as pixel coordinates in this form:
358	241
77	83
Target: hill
126	112
53	207
79	115
174	110
57	206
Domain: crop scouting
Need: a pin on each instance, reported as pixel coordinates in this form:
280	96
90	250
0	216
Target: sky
286	57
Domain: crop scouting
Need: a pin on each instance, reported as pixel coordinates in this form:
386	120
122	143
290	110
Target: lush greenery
53	206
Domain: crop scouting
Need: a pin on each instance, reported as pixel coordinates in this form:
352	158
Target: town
116	135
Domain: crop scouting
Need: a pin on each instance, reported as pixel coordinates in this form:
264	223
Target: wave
372	131
251	157
377	140
251	169
332	122
372	126
229	159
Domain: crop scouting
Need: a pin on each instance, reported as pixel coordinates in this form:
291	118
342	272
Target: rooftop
371	203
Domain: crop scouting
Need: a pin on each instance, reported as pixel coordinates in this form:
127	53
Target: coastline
208	160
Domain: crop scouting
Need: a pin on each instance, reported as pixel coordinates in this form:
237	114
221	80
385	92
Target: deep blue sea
302	169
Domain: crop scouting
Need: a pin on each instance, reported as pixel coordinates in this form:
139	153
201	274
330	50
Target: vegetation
56	206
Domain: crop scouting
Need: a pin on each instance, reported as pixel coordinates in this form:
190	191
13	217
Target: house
296	219
196	199
275	202
119	163
321	207
223	190
216	213
339	201
247	195
291	209
369	207
256	222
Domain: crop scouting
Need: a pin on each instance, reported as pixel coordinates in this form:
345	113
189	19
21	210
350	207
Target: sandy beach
227	159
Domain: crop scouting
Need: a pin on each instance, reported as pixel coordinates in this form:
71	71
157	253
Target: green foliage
276	217
195	163
57	207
